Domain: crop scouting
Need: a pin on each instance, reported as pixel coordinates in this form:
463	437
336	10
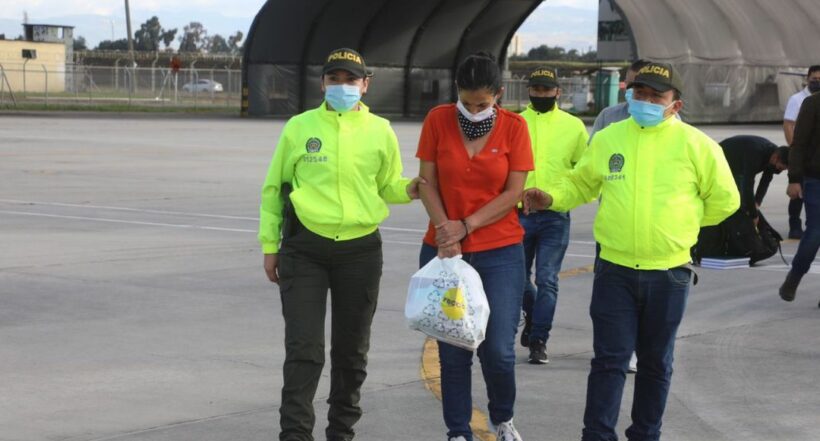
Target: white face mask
475	117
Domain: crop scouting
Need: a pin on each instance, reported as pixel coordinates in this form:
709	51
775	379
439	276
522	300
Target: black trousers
309	266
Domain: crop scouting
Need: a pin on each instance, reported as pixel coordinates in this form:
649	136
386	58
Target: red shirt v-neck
467	184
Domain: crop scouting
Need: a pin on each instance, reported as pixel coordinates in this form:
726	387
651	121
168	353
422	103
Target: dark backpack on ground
737	236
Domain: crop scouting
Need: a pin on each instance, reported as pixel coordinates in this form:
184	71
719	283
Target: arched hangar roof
423	33
398	34
751	32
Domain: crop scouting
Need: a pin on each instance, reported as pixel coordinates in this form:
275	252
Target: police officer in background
660	181
558	139
343	165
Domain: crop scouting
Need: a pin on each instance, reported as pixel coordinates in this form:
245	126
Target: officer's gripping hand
535	200
795	191
272	267
413	187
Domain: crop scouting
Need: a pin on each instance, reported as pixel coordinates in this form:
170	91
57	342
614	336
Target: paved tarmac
133	305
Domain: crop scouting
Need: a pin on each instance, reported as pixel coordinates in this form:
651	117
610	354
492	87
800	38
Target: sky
571	24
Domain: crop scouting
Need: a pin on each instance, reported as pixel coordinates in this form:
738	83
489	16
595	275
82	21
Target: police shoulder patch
616	163
313	145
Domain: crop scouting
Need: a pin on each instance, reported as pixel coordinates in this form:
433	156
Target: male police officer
660	181
613	114
558	139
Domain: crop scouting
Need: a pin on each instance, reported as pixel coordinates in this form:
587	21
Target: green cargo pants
309	265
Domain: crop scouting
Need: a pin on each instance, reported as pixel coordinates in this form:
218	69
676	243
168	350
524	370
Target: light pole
130	44
130	35
25	92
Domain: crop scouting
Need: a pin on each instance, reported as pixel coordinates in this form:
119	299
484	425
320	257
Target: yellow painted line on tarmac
576	271
431	371
431	375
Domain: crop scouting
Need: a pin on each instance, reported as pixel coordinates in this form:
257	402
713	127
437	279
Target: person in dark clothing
741	234
804	181
789	121
749	156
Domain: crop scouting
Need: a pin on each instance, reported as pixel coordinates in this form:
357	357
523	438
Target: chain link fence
32	85
37	85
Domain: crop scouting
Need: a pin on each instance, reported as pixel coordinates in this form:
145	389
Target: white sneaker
458	438
633	364
506	432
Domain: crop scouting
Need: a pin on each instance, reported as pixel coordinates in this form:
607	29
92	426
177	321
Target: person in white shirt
789	118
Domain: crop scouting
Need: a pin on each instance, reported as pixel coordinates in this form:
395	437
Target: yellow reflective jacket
558	140
343	167
658	186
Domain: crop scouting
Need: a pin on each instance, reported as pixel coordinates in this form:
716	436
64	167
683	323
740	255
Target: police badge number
616	163
313	145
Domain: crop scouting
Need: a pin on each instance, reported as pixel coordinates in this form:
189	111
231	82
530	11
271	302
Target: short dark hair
783	155
479	71
813	69
638	64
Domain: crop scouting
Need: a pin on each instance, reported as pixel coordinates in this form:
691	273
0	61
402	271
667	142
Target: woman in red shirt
475	157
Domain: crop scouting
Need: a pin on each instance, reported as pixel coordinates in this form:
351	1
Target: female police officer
343	165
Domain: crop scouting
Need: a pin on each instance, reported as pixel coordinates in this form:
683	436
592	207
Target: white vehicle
202	86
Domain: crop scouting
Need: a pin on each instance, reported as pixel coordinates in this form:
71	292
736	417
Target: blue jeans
810	242
502	273
632	310
545	241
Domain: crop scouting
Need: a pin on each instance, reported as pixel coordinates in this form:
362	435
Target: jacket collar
668	122
353	115
539	115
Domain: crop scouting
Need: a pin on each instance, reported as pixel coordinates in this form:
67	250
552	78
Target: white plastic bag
446	301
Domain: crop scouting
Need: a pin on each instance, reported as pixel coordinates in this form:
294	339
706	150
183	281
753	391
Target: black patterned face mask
475	130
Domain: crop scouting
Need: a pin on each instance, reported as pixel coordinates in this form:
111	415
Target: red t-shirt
465	185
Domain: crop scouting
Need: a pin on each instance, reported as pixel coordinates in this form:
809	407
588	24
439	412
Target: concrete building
45	33
32	66
41	62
